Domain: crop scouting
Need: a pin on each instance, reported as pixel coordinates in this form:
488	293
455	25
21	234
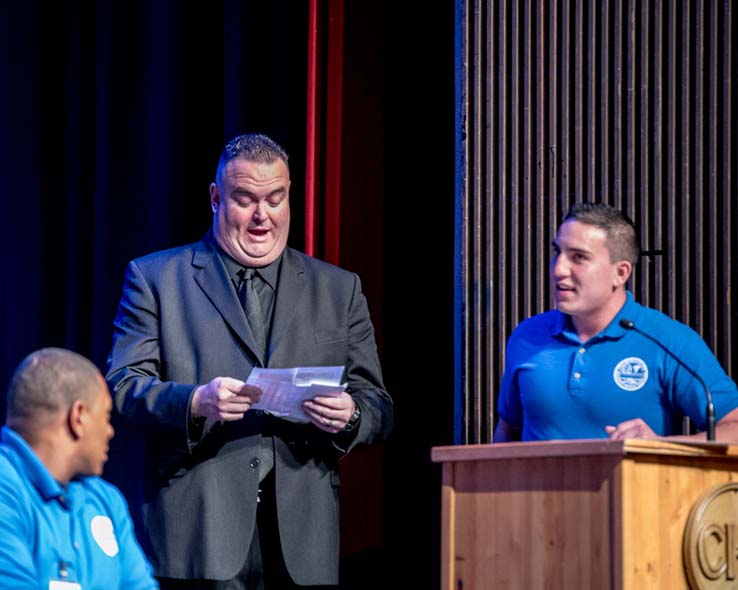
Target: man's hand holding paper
330	413
224	398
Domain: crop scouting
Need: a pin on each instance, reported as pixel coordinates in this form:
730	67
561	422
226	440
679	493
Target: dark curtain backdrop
112	117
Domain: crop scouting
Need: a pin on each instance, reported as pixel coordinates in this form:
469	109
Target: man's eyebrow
571	249
247	193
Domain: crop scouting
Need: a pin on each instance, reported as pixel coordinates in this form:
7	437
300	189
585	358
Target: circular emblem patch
630	374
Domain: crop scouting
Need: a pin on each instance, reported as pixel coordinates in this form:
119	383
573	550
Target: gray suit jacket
179	325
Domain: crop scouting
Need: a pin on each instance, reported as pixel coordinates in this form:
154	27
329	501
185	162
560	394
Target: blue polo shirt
51	537
556	387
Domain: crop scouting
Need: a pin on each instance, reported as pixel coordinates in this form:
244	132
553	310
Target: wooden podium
581	515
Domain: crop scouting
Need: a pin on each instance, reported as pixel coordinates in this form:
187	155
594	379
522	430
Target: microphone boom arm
629	325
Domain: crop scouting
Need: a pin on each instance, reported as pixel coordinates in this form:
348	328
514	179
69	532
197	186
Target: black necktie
252	307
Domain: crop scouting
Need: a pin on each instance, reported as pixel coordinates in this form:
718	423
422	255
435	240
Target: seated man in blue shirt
61	526
577	372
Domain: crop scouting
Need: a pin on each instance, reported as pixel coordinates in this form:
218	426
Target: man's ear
623	271
77	418
214	197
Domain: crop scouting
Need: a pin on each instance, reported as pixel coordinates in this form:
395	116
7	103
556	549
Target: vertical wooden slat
464	118
513	163
618	124
491	328
506	300
728	162
630	59
553	148
695	141
671	159
591	127
578	131
565	104
654	264
603	120
542	84
479	246
639	208
525	155
711	200
684	155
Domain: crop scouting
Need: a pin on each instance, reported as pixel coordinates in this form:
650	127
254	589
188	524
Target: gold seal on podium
710	546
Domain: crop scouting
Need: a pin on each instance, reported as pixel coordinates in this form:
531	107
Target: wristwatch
353	422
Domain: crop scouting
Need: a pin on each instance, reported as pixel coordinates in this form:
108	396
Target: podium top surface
582	447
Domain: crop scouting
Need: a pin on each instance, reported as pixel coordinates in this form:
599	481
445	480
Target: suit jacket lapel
290	291
212	277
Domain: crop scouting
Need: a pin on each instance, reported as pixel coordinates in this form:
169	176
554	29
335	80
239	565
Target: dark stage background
113	116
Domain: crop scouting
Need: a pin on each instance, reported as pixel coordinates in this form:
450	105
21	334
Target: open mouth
564	291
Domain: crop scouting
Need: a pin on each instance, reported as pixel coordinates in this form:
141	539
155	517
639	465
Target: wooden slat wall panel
627	102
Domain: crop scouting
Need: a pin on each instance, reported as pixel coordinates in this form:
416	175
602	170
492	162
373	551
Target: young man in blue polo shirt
576	372
61	526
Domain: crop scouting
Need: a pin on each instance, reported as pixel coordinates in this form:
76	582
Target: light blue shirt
555	387
81	535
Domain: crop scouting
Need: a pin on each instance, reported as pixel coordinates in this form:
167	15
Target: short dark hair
48	381
622	240
254	147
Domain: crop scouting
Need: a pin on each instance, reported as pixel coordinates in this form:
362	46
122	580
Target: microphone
629	325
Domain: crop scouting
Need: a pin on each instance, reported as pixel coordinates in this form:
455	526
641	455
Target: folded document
284	390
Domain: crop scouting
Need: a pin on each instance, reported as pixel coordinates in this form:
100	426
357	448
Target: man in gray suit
238	498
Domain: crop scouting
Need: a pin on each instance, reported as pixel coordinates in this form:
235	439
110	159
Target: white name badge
62	585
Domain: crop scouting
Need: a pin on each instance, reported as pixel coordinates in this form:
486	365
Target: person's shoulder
680	338
656	321
162	263
546	320
315	265
537	327
162	256
7	465
11	477
103	491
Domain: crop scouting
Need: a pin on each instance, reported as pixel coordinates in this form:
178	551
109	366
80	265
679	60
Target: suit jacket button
254	462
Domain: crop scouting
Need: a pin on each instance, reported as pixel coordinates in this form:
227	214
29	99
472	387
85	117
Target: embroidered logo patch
630	374
103	533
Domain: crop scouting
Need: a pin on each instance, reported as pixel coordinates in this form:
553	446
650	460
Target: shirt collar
562	325
268	273
28	461
614	330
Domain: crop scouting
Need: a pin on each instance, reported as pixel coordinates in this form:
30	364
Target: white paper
284	390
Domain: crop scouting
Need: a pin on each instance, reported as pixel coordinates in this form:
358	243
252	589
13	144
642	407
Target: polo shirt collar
563	327
31	465
614	330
